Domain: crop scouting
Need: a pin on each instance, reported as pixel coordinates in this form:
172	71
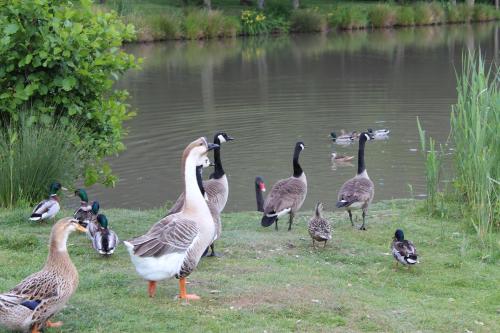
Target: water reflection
270	92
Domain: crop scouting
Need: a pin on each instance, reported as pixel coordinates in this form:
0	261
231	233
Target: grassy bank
275	281
162	20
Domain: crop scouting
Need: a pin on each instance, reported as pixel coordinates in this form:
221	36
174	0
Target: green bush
382	15
405	16
454	15
424	14
438	14
196	24
230	26
32	156
483	12
278	8
165	26
348	17
304	20
254	22
466	12
61	61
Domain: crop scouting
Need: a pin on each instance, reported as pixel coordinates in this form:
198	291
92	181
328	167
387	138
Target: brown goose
216	189
357	192
175	244
287	195
260	187
319	228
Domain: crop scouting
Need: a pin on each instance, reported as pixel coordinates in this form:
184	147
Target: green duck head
82	194
399	235
95	207
103	221
54	188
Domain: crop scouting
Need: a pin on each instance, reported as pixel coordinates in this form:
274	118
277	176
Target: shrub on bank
424	14
405	16
483	13
166	26
305	20
348	17
382	15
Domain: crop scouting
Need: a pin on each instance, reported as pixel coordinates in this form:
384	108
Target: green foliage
438	13
278	8
196	24
382	15
433	162
475	124
305	20
348	17
34	155
254	22
484	13
61	61
166	26
405	16
424	14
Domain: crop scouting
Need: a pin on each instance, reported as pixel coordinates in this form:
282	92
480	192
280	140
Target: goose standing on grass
31	304
287	195
319	228
175	244
49	207
357	192
403	250
216	188
104	240
260	188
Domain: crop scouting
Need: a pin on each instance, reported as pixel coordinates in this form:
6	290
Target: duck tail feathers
35	217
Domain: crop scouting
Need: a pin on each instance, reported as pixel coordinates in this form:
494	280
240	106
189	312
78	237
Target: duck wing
285	194
173	234
177	206
357	189
38	286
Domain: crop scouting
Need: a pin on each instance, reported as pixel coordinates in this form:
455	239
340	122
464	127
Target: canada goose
104	240
287	195
403	250
357	192
31	304
319	228
381	133
341	158
175	244
260	187
49	207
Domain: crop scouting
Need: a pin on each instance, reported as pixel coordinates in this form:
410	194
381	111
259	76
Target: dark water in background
270	92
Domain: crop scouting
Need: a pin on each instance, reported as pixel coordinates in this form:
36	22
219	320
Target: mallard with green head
49	207
90	220
104	240
82	211
403	250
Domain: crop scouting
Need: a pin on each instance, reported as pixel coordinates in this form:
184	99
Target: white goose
175	244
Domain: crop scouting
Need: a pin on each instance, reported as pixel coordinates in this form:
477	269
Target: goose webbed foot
53	324
151	288
183	294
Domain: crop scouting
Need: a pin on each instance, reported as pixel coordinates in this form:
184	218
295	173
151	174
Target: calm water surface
268	93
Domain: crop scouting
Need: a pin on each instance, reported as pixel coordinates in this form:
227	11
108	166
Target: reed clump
304	20
475	127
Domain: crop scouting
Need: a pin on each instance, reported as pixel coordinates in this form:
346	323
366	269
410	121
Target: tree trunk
497	4
208	4
295	4
453	2
469	3
260	4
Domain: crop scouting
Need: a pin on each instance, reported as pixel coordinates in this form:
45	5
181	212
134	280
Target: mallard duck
216	188
287	195
81	212
31	304
381	133
90	220
175	244
319	228
342	138
341	158
260	187
104	240
403	250
357	192
49	207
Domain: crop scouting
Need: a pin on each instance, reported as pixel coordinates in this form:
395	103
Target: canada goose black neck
258	194
297	169
361	153
218	170
199	179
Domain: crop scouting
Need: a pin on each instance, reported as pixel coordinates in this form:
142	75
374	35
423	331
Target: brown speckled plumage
319	228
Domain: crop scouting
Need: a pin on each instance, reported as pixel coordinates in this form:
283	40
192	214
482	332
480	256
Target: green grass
274	281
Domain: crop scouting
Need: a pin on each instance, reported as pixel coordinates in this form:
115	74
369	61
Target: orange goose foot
53	324
183	294
151	288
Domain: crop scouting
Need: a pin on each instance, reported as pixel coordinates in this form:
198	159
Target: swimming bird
49	207
319	228
403	250
287	195
357	192
381	133
216	188
341	158
260	187
104	240
31	304
175	244
342	138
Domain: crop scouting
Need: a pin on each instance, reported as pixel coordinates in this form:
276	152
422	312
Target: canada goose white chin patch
302	146
221	138
367	137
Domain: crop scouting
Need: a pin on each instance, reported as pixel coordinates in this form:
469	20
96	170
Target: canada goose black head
399	235
300	146
363	137
221	137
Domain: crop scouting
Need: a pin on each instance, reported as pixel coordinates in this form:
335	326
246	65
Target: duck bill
229	138
80	228
212	146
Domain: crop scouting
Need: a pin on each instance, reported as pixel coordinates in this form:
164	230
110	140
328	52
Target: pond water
270	92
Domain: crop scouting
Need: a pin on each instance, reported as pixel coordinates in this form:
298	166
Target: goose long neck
199	179
260	198
193	194
318	211
361	157
297	169
218	170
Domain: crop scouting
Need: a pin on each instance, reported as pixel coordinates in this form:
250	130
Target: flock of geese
174	245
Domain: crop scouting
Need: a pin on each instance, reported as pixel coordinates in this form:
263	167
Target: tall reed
31	157
433	162
475	125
